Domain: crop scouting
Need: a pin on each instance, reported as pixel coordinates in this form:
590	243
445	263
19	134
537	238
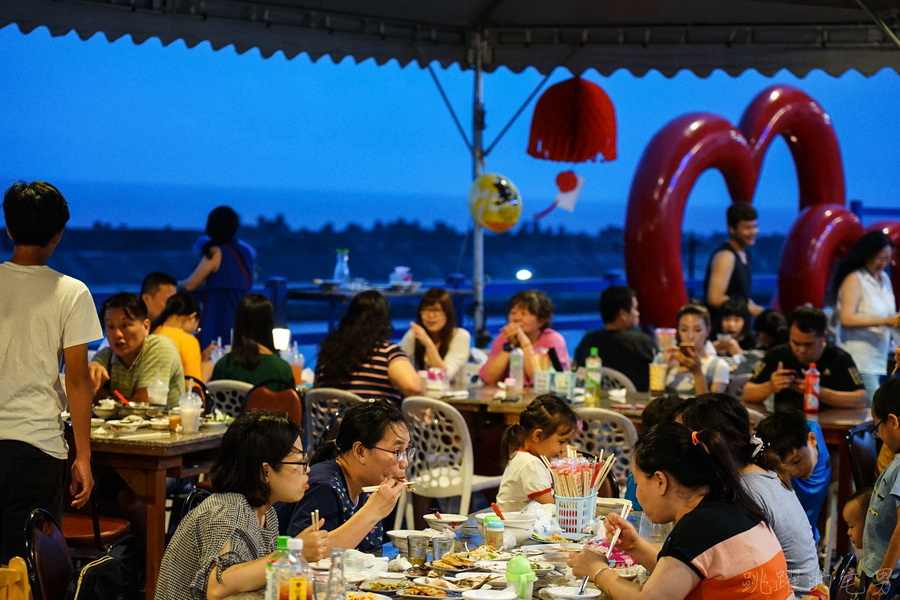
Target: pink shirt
548	339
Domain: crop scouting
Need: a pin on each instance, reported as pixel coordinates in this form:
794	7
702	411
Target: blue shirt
812	491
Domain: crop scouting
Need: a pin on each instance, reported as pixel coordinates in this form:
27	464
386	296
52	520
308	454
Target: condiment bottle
493	533
593	373
811	389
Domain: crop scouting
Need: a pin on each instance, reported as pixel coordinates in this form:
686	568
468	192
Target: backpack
102	579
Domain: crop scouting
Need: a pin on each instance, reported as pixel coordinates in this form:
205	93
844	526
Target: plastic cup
657	378
418	549
190	420
174	422
665	337
442	546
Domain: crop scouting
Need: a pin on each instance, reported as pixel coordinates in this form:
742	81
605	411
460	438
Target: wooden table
144	460
835	423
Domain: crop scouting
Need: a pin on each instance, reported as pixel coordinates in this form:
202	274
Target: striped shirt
197	547
734	555
158	359
371	378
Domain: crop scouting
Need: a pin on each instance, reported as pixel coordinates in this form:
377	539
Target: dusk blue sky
154	136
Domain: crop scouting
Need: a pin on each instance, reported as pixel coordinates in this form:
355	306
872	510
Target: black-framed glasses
874	429
401	455
303	462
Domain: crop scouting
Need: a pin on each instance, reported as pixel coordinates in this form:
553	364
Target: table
835	423
144	460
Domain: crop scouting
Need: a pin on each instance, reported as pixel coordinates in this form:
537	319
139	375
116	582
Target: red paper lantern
574	121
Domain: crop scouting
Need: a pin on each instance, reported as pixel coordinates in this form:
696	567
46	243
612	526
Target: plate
366	596
572	592
214	425
406	593
440	569
539	568
374	585
96	422
321	565
554	547
444	584
571	537
479	554
475	578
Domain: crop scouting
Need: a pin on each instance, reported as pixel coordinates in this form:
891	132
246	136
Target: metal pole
481	335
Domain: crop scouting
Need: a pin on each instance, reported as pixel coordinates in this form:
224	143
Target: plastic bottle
299	580
493	534
517	368
520	576
658	374
342	266
296	360
593	374
811	390
336	589
277	569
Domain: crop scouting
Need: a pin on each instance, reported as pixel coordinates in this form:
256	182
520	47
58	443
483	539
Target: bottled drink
517	368
342	266
299	579
811	389
493	534
593	374
277	571
336	589
658	374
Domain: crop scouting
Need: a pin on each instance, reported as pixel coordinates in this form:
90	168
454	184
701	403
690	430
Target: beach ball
495	203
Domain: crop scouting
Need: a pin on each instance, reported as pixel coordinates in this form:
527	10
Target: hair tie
695	438
758	445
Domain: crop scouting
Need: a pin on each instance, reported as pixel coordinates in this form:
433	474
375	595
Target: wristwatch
507	347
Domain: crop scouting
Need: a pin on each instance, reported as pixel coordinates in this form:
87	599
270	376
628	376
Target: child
881	537
179	321
544	429
854	513
799	446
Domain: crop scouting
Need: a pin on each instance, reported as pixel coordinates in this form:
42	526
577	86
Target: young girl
178	321
694	367
544	429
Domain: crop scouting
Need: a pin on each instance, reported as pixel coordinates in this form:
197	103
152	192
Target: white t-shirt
456	358
715	370
869	346
42	312
524	478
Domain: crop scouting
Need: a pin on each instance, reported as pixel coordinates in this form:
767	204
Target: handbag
101	579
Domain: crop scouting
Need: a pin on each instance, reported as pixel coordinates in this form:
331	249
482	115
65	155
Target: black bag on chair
102	579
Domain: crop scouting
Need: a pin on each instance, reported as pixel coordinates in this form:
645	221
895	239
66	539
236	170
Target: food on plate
483	552
453	561
423	590
618	558
382	585
361	596
418	572
555	538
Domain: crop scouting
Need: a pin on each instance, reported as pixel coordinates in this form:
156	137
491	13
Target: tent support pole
481	335
880	22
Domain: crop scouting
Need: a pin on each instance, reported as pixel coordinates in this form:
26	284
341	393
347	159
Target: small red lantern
574	121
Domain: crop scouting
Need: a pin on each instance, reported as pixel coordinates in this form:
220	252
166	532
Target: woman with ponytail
758	471
721	545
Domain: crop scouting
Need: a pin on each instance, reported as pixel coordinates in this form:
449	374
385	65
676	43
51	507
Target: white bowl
447	522
398	536
159	423
508	593
521	526
608	505
570	592
119	427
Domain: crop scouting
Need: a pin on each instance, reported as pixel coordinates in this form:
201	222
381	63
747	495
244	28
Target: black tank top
739	284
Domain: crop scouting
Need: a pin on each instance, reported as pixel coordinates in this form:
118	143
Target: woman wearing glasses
371	449
221	547
434	340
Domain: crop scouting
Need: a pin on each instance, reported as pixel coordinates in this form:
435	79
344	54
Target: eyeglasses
434	310
874	428
304	462
401	455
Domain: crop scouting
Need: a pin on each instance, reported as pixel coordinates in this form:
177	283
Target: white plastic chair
322	406
228	395
615	380
609	431
443	466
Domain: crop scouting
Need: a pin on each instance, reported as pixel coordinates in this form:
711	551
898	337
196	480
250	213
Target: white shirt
869	346
456	358
524	478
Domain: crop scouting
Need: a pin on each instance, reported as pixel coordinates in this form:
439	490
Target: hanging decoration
570	185
495	203
574	121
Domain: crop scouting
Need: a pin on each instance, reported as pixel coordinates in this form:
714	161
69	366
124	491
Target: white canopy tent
483	35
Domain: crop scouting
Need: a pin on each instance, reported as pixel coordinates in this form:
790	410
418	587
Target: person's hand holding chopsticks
628	535
315	541
384	499
587	563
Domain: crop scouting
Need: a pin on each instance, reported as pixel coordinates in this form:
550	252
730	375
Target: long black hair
254	319
441	339
696	460
366	324
548	413
181	304
365	423
865	248
221	226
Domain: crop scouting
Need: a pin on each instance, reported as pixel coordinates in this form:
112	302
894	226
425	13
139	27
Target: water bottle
811	390
493	533
517	368
336	589
342	266
299	579
593	374
277	571
217	352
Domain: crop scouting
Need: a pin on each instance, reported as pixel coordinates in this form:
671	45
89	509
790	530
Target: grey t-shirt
787	519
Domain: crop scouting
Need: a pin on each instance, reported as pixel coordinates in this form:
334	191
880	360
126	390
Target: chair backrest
755	418
615	380
842	587
48	556
287	400
863	447
607	430
14	580
194	498
737	383
443	465
228	395
323	405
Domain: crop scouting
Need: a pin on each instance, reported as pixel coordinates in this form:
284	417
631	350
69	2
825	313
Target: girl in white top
865	307
694	367
544	429
433	340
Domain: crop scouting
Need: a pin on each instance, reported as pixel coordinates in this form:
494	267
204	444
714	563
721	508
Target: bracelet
597	572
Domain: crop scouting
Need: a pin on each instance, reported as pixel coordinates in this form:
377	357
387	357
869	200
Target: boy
44	315
800	447
854	513
881	537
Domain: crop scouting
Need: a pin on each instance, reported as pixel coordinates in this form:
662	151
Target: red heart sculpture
689	145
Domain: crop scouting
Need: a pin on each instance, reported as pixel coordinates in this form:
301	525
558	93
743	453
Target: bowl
157	423
508	593
447	522
121	428
570	592
398	536
521	526
105	413
140	408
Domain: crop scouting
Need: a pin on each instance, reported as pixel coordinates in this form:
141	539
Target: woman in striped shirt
359	356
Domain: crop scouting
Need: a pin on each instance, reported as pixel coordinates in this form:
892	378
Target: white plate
449	594
366	586
571	592
539	568
361	595
552	547
214	425
499	582
444	584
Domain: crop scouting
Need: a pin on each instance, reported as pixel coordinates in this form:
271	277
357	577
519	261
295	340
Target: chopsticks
579	477
314	516
626	508
370	489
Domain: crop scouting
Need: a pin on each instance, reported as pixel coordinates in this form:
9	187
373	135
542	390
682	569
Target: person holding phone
694	367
